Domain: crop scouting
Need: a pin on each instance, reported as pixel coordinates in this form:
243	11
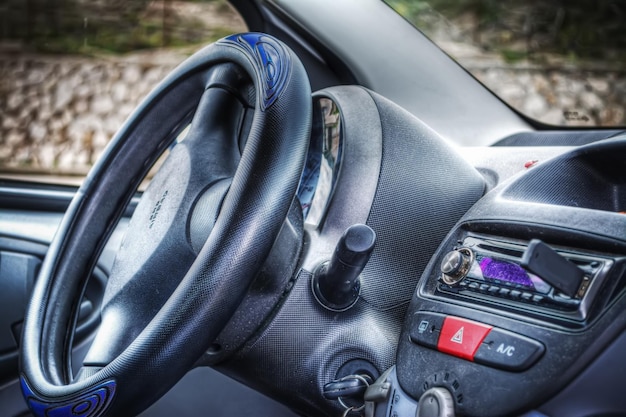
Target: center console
524	295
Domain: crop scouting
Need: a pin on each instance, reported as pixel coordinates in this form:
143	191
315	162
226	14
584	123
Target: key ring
349	409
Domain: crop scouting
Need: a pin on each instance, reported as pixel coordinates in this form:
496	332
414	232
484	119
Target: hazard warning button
461	337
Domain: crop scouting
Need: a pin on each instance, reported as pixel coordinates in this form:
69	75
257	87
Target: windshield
558	62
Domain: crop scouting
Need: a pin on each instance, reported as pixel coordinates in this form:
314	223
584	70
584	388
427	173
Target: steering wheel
197	238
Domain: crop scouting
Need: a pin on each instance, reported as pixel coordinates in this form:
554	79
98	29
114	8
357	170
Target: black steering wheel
197	238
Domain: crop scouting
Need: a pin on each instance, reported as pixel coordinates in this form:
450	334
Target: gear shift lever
336	283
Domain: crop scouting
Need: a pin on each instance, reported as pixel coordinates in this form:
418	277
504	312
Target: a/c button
510	351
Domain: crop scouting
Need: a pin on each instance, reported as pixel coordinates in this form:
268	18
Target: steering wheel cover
251	216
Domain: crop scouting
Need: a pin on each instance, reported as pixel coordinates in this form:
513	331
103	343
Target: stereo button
461	337
425	328
526	296
509	351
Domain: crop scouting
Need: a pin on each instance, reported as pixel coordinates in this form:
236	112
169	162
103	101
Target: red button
462	338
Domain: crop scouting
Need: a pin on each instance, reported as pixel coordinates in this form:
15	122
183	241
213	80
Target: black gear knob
336	283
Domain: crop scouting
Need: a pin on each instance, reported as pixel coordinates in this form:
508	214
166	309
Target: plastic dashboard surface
538	348
565	346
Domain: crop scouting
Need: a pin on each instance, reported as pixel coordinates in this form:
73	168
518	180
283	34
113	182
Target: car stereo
490	271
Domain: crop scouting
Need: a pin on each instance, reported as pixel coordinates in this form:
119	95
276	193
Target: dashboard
499	340
525	294
454	310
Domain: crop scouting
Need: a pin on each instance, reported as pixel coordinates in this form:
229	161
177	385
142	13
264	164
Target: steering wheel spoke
175	215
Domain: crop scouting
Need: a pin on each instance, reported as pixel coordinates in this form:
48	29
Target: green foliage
519	28
111	26
415	11
511	55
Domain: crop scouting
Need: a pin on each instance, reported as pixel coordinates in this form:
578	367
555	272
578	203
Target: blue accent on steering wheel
270	57
92	403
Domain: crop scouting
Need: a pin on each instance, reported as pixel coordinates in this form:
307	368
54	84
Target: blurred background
560	62
71	71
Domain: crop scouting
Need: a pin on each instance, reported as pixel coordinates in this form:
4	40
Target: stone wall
571	97
58	113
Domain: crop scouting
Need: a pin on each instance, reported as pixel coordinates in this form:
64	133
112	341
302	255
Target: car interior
346	223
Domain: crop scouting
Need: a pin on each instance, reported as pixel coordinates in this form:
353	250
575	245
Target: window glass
559	62
71	71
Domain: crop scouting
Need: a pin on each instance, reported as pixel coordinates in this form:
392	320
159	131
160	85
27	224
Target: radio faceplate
489	272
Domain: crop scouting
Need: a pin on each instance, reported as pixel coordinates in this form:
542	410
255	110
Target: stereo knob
456	265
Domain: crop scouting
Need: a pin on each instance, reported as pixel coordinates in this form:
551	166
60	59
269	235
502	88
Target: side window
71	71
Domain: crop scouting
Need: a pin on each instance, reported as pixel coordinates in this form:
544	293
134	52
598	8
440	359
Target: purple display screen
509	273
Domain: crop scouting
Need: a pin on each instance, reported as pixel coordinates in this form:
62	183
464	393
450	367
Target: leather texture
251	215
